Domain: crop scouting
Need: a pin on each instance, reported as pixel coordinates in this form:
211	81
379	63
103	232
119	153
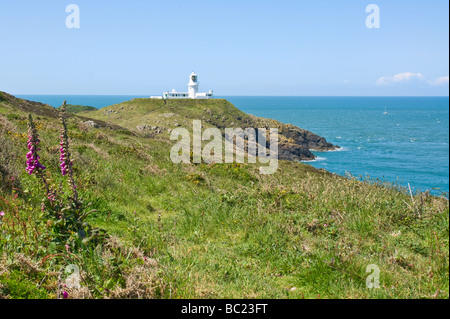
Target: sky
237	47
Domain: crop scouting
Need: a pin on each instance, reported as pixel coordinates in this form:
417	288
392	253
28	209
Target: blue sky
238	47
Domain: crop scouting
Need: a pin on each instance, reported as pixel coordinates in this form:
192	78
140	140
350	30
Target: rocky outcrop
295	144
306	138
294	152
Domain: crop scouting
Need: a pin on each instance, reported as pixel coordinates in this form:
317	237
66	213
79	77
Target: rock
143	127
149	128
306	138
108	112
91	124
294	152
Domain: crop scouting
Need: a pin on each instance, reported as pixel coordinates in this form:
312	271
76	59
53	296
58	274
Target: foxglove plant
66	162
69	217
33	164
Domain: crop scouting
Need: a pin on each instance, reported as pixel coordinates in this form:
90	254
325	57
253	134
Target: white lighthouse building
191	94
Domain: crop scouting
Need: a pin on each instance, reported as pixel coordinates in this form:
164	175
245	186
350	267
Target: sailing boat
385	111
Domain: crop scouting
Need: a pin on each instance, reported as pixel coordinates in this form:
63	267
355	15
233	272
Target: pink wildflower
65	295
2	213
33	158
66	162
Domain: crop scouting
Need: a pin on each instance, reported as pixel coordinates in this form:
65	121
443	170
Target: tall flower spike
65	161
33	158
64	158
33	164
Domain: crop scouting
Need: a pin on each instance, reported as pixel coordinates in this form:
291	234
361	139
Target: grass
78	108
212	230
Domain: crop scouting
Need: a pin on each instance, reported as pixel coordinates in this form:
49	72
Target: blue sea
409	144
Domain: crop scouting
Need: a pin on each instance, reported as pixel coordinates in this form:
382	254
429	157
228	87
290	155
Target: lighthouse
191	94
193	85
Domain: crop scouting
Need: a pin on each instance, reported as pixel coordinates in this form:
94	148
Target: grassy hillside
205	231
78	108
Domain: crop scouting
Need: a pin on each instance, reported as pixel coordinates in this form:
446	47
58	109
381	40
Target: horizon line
231	95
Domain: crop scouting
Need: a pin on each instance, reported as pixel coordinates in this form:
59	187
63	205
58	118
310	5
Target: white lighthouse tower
193	85
191	94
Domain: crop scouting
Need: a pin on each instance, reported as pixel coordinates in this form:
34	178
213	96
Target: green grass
213	231
78	108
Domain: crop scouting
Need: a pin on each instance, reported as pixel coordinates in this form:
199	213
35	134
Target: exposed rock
306	138
144	127
294	152
109	112
149	129
91	124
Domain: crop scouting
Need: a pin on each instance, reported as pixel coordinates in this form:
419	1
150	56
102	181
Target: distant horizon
232	95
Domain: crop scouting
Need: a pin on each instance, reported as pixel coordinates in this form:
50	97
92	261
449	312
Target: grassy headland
207	230
78	108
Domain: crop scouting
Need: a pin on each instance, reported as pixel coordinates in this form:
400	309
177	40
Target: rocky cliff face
296	144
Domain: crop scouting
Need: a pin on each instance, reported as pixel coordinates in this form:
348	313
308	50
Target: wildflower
67	248
65	295
2	213
66	162
51	197
33	158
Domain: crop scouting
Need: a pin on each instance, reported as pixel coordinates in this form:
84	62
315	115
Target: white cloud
440	81
398	78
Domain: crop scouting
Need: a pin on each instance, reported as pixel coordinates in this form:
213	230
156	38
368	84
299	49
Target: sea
399	140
